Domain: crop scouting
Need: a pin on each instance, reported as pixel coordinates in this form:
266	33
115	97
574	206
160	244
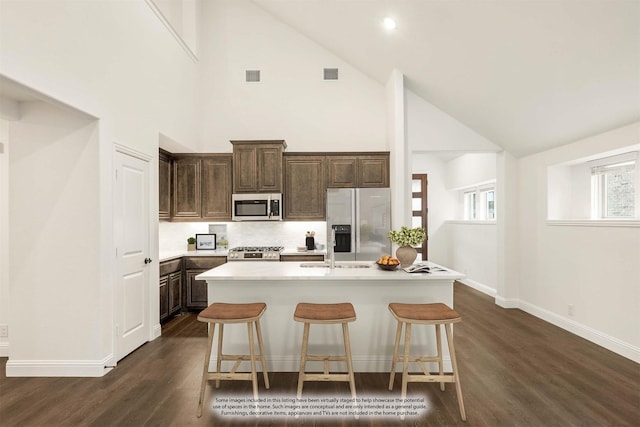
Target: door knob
147	260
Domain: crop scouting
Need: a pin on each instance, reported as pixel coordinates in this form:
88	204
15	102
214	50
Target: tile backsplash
290	234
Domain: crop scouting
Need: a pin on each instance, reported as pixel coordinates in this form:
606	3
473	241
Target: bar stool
224	313
309	313
425	314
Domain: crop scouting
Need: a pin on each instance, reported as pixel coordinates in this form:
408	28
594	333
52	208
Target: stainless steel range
255	253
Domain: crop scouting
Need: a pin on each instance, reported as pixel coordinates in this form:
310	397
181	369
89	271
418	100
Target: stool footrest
319	358
422	378
230	376
325	377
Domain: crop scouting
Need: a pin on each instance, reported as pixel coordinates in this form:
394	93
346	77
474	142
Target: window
470	205
613	190
480	203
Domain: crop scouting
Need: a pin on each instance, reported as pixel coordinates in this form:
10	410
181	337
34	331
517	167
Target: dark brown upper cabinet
305	188
187	188
355	170
164	184
202	187
257	166
216	187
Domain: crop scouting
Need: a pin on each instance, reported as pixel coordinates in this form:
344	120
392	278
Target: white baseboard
4	349
610	343
57	368
479	286
156	331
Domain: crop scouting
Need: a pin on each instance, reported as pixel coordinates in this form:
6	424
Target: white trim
156	331
487	290
471	221
631	223
172	30
58	368
4	349
611	343
119	148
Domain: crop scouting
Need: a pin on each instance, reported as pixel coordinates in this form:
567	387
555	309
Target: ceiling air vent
331	74
252	75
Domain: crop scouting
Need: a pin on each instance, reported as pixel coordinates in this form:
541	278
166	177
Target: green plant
191	240
407	236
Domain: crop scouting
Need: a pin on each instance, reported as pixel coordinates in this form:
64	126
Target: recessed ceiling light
389	23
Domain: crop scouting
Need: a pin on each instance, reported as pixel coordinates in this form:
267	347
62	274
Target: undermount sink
338	265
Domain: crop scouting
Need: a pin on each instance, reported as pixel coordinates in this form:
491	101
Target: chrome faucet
332	249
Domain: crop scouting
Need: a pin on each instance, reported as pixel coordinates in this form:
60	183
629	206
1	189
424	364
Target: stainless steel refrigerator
361	218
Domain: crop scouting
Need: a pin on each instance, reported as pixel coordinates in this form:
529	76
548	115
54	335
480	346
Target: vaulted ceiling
528	75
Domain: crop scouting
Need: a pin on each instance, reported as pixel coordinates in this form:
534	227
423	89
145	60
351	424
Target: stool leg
205	371
454	364
405	366
347	347
303	358
439	355
219	361
394	361
252	357
262	361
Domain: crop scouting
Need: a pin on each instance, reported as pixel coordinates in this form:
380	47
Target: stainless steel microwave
257	207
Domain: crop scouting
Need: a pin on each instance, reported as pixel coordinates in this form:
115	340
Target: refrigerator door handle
355	220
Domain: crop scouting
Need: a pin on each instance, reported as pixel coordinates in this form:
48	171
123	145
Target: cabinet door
187	201
164	186
305	189
175	293
269	169
196	290
164	298
342	172
373	171
216	188
245	173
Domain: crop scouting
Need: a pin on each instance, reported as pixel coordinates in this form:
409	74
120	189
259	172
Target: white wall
292	101
593	268
4	233
440	203
433	138
117	62
54	214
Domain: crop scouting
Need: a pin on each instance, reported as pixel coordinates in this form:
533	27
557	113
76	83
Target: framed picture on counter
205	242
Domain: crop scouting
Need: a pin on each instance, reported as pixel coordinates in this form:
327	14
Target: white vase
406	255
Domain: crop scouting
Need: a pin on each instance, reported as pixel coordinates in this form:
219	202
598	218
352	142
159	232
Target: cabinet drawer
171	266
205	262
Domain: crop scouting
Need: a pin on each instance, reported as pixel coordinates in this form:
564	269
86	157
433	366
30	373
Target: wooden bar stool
342	313
221	314
425	314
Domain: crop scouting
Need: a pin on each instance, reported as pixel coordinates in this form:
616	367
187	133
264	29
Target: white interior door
131	234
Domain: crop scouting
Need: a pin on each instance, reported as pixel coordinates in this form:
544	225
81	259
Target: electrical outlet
4	331
570	310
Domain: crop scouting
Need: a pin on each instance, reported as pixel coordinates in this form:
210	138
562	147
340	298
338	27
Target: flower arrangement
407	236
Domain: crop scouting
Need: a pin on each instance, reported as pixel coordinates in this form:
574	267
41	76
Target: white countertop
278	271
169	255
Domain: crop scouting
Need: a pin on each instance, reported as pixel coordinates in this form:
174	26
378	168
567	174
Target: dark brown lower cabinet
164	298
174	298
170	288
196	290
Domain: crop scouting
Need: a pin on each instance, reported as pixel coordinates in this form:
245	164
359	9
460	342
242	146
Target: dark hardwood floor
516	370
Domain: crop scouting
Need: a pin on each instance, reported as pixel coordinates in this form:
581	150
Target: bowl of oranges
387	262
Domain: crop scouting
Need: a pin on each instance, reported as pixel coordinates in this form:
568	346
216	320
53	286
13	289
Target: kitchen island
282	285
